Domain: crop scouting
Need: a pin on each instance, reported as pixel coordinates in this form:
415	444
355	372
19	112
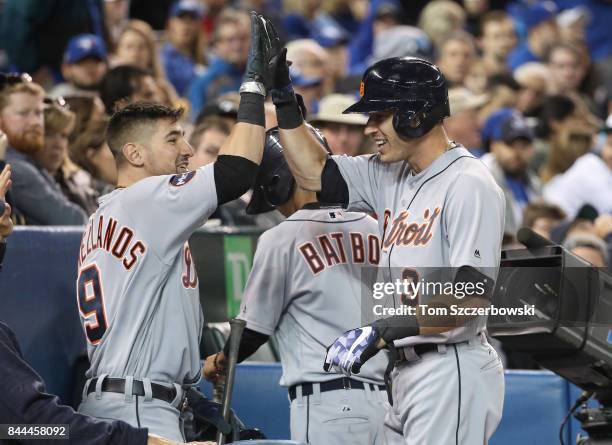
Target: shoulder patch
182	179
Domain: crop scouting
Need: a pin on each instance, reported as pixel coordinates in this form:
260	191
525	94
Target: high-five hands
265	44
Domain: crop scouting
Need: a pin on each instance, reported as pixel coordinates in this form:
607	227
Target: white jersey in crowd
306	287
449	215
137	287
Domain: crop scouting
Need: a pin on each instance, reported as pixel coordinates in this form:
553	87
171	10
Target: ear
133	153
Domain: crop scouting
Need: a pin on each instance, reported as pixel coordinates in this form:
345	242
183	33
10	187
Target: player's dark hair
119	84
138	114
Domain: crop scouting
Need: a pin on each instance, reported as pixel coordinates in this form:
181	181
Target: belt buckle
346	383
184	403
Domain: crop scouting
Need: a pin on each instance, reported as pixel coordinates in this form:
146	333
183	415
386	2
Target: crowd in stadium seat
530	93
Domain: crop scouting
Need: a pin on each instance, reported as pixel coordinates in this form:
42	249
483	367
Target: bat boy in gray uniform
137	287
305	288
438	207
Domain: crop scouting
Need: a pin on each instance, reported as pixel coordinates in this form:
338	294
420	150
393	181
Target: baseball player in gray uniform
437	207
305	289
137	287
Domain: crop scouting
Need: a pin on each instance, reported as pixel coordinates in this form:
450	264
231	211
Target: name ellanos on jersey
118	241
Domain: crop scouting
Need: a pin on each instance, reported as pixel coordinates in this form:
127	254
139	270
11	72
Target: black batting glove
272	45
257	63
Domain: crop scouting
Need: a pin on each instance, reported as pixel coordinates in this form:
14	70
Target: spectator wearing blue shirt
543	32
183	53
511	152
224	74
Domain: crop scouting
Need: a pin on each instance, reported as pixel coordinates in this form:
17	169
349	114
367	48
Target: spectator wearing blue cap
511	152
83	67
183	53
231	42
542	33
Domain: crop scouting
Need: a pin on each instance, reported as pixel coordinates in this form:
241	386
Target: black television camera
570	332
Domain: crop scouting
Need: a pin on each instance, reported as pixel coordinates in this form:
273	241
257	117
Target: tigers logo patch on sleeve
182	179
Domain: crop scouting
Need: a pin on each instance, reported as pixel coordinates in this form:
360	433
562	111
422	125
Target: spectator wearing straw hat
344	132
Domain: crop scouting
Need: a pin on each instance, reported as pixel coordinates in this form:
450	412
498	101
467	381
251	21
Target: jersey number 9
91	303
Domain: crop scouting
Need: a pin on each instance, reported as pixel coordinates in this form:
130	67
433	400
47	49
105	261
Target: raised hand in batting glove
273	48
351	350
264	44
257	63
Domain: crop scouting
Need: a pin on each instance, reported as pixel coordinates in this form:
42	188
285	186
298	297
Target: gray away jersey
137	288
305	287
449	215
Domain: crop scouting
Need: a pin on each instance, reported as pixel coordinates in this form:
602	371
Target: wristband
288	112
251	109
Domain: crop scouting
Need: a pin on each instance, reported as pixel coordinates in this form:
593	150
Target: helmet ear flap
409	125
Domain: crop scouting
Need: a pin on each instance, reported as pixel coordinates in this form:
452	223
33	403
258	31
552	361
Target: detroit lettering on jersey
409	229
328	250
116	239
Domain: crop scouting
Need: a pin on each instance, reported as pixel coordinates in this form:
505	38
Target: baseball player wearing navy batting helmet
438	207
304	288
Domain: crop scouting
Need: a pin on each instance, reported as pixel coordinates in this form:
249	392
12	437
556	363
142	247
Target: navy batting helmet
275	184
413	88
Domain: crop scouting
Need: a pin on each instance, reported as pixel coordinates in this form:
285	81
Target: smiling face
389	145
168	151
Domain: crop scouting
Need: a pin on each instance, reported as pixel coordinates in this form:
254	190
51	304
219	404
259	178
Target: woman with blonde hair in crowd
87	144
136	46
53	158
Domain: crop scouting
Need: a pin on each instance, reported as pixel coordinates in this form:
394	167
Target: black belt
330	385
419	349
118	385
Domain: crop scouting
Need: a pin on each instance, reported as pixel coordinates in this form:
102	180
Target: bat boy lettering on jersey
406	232
332	250
115	239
